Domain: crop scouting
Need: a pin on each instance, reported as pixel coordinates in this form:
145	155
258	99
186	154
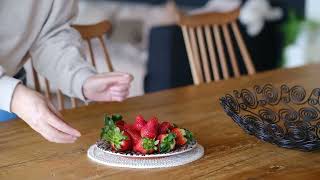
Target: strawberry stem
149	144
167	143
111	133
189	135
116	117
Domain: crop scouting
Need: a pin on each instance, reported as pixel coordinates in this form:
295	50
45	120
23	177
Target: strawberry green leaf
156	142
115	137
103	131
189	135
167	143
148	144
111	133
106	119
170	137
116	117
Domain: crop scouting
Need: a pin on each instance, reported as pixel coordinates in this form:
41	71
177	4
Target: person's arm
57	52
57	55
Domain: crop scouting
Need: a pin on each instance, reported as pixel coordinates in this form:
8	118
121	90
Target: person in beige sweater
42	30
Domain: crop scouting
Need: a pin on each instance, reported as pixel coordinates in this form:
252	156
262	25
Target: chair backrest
205	47
88	32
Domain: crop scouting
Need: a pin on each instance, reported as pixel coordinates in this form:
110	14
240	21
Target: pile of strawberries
145	137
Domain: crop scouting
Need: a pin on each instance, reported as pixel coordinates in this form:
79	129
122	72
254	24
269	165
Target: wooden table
229	153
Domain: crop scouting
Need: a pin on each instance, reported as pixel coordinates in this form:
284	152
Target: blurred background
147	42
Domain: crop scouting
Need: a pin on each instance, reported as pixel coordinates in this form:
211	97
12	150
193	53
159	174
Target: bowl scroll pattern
287	117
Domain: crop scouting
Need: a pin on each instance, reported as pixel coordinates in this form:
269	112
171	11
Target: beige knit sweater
41	28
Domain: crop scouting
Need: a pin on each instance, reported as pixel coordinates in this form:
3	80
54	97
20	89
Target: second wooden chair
205	46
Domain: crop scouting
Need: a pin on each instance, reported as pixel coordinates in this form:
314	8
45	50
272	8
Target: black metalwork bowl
287	117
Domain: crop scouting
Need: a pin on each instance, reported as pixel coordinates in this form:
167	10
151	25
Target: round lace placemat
99	156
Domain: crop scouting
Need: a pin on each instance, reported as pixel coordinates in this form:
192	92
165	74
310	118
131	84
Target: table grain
229	152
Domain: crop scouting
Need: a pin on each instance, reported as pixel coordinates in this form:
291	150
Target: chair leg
221	53
195	52
35	78
47	89
93	62
74	103
203	54
60	100
243	49
195	77
212	53
107	57
231	52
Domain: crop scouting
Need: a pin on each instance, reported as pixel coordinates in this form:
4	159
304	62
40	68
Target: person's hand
41	116
112	86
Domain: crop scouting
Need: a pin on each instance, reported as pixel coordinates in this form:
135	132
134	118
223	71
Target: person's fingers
125	81
117	98
125	75
120	94
126	95
115	74
54	110
54	135
111	81
117	79
57	123
120	88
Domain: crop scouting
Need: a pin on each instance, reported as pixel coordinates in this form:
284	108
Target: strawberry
119	139
166	142
183	136
139	123
146	146
116	118
150	130
135	135
127	126
122	142
153	121
120	124
165	127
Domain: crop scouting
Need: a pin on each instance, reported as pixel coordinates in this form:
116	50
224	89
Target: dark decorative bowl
287	117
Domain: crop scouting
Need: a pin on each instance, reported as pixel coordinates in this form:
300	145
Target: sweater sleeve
57	53
7	87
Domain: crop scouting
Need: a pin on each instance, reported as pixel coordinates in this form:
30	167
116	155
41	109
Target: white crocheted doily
99	156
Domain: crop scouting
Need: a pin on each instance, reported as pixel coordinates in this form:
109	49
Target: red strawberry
165	127
135	135
182	135
120	124
139	123
127	126
146	146
154	122
121	142
150	130
166	142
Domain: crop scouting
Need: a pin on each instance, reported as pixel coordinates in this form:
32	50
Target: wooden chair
205	47
88	32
